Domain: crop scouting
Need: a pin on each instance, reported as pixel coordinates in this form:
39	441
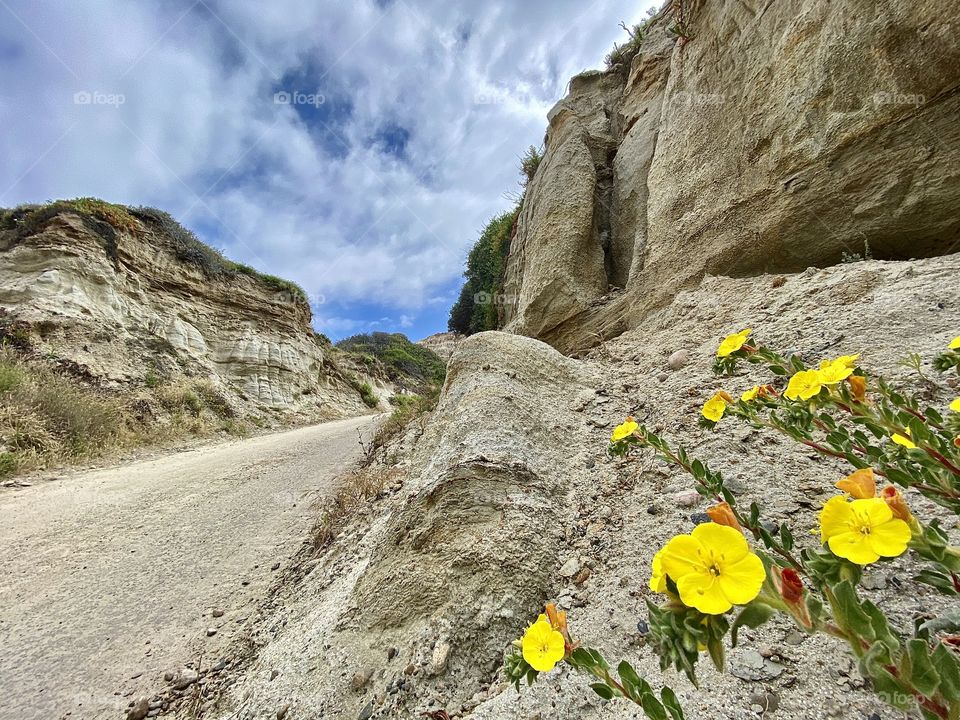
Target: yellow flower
732	343
955	343
542	646
750	394
713	568
862	531
714	408
624	429
905	441
658	581
955	405
838	370
803	385
860	484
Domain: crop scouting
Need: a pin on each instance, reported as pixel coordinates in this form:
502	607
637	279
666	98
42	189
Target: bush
622	55
409	365
476	308
368	396
8	464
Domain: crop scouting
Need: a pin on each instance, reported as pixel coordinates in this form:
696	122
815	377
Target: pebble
699	518
367	711
570	567
273	674
185	678
438	663
582	576
678	359
359	681
391	653
642	627
282	712
211	632
687	498
139	710
217	612
874	582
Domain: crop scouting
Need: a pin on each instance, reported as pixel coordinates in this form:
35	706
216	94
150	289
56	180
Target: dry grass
355	491
48	418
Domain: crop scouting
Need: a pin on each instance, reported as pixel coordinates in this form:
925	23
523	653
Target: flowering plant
737	570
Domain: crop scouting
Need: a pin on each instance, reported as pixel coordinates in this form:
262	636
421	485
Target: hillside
120	328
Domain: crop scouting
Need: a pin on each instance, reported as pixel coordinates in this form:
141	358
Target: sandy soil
110	578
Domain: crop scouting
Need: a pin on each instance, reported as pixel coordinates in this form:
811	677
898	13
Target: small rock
687	498
391	653
139	710
438	663
699	518
642	627
217	612
273	674
795	637
750	665
874	582
275	566
735	486
211	632
570	567
282	712
168	676
678	359
582	576
136	675
185	678
367	711
653	510
359	681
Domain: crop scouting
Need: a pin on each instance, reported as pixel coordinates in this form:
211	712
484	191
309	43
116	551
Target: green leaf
652	708
786	537
715	649
923	675
778	370
671	703
949	668
752	616
850	615
581	658
604	691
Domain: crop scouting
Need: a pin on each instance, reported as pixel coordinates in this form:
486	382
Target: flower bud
858	387
897	504
790	587
722	514
860	485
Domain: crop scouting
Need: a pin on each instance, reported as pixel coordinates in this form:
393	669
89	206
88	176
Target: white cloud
310	193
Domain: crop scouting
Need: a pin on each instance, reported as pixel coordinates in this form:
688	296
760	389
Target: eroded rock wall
781	135
129	310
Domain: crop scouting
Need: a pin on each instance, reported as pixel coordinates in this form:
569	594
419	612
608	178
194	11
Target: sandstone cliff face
780	136
127	311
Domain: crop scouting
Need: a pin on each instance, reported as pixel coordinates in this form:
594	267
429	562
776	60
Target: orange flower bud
722	514
860	485
858	387
790	587
726	396
895	501
768	391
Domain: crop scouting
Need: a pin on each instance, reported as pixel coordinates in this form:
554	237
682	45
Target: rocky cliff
773	137
125	300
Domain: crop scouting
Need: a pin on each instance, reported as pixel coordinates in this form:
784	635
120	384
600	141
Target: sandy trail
109	578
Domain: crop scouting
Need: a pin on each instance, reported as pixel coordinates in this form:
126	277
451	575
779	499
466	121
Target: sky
357	148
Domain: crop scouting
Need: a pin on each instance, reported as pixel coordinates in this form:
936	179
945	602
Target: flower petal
723	540
835	518
701	590
854	546
681	556
890	539
741	581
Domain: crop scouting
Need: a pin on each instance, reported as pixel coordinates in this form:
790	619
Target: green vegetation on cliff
106	219
407	364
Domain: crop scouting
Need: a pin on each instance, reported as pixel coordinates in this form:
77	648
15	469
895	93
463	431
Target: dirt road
110	578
